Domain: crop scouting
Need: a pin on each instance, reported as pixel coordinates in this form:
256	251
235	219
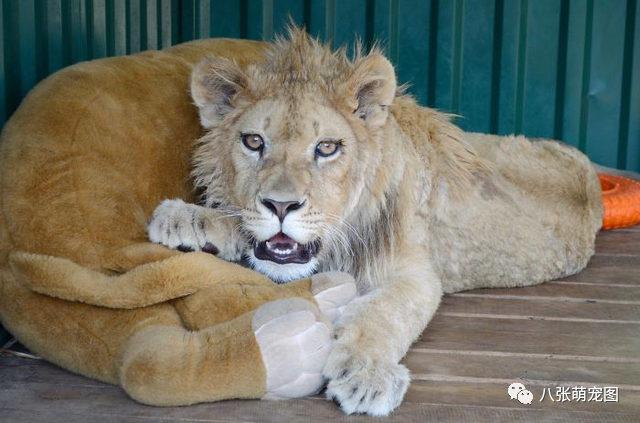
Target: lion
315	161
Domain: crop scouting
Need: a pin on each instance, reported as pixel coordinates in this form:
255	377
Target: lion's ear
215	84
372	89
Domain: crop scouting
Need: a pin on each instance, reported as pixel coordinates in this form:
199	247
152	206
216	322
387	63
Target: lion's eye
253	142
327	148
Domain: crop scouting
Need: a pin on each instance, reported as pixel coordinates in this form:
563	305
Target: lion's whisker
339	235
352	230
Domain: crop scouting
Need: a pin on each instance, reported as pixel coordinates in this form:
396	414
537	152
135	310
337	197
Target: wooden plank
554	291
617	242
20	370
540	309
53	416
15	416
635	228
494	394
108	405
606	269
449	364
432	412
412	412
532	336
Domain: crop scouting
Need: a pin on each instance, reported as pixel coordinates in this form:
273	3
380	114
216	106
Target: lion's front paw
361	384
189	227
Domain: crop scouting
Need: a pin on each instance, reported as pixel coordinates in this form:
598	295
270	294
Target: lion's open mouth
282	249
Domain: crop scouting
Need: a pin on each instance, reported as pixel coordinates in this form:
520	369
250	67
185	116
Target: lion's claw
361	384
189	227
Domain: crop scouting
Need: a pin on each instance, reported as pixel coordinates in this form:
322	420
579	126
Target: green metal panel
568	69
42	36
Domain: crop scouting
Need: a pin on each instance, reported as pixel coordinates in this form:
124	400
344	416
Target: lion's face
288	159
293	160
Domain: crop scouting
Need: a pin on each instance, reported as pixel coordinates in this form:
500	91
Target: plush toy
83	163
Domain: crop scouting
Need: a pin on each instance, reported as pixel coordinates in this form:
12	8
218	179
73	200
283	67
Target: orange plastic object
621	199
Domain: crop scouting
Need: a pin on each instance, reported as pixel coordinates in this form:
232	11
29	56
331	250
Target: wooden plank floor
580	331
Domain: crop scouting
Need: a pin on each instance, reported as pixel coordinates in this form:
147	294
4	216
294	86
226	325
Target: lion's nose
281	208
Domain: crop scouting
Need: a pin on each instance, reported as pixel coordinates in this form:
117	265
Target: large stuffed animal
84	161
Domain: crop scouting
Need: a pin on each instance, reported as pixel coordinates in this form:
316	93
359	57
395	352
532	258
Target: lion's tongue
281	239
282	245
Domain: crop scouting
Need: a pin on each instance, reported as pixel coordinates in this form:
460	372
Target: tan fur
83	163
412	206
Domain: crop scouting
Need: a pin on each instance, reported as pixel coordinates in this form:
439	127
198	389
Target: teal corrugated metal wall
42	36
564	69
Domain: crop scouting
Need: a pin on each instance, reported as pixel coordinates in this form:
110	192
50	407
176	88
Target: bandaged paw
333	291
295	341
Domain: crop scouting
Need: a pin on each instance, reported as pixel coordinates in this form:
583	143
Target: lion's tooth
282	252
268	245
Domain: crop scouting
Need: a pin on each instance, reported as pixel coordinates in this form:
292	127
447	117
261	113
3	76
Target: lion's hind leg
555	175
555	199
561	184
533	218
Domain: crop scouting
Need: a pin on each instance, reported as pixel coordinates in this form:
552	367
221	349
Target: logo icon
519	391
525	397
514	390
